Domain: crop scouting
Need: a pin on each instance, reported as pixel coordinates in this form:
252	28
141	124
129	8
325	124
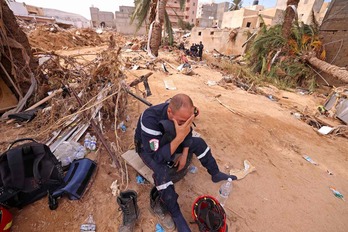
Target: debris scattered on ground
140	179
240	174
211	83
309	159
324	130
115	188
337	193
169	84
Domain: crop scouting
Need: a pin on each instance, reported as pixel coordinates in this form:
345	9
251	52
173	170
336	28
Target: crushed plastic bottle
67	152
224	191
192	169
122	126
336	193
89	225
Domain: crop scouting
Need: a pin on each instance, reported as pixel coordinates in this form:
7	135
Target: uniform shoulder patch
154	144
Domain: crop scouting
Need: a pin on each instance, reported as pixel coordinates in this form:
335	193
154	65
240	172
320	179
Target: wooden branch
140	79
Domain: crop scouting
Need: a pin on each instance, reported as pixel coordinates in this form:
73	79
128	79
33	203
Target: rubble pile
52	37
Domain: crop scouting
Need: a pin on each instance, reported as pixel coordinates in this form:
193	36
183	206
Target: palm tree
333	70
235	5
290	13
156	12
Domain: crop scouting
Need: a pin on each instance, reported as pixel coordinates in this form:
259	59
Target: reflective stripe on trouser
200	148
163	180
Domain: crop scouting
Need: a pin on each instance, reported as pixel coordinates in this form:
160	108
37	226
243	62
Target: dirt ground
286	193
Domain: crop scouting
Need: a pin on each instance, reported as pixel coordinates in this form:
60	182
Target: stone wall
123	22
334	35
219	39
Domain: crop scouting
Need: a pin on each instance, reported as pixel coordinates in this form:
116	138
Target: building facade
46	15
211	15
219	39
305	8
187	15
102	18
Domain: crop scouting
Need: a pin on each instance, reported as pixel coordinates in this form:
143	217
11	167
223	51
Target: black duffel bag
27	173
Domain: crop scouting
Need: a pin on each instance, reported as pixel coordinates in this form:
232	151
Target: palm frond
140	12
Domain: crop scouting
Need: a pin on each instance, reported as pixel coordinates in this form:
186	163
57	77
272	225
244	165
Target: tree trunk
289	17
333	70
156	33
15	55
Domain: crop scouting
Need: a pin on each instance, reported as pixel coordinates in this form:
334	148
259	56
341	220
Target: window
248	24
193	3
261	24
193	12
191	20
199	33
211	33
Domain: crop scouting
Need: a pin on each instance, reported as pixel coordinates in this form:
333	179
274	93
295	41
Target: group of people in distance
196	50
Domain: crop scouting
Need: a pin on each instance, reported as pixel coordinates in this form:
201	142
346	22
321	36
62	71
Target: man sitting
162	132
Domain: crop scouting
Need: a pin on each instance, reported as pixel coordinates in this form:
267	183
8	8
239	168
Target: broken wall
102	17
123	22
218	39
234	19
334	35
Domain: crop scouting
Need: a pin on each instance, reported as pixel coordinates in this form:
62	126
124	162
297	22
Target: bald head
180	101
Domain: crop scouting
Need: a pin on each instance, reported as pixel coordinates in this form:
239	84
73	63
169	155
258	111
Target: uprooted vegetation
279	61
271	58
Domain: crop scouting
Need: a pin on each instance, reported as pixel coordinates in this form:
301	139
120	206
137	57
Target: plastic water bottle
87	142
89	225
93	143
80	152
224	192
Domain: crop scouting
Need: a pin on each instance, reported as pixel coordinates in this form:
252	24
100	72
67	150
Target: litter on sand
169	84
140	179
336	193
309	159
240	174
324	130
115	188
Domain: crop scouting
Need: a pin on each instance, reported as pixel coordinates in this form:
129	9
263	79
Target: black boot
159	209
128	204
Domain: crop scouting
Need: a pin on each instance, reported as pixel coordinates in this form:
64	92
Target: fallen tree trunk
337	72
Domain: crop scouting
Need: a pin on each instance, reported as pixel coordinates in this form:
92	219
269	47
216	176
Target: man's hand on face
183	130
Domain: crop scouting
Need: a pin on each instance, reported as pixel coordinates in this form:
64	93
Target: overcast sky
82	6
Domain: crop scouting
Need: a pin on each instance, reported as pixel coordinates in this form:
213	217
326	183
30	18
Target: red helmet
209	214
5	219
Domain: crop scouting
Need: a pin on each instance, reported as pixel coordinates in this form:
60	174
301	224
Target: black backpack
27	173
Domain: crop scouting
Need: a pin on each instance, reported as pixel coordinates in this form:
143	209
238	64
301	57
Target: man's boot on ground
159	209
127	201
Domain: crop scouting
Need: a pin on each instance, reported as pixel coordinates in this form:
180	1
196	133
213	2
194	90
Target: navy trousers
163	180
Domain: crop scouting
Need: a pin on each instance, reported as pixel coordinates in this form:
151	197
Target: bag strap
48	163
19	140
15	163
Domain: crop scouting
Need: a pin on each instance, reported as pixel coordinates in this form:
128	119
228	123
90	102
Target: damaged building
36	14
